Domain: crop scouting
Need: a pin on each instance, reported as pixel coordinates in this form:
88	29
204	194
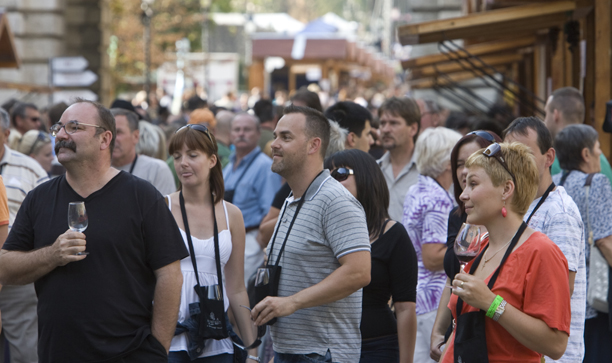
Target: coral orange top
535	280
4	211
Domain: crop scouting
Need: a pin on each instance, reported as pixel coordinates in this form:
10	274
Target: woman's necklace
485	254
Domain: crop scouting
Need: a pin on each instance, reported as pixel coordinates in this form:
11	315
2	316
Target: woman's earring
504	211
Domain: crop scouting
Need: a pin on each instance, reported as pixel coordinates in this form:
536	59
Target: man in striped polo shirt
326	259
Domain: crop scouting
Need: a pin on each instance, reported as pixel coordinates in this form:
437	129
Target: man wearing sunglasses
558	217
111	293
24	117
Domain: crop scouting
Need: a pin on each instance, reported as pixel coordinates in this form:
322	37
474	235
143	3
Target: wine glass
467	244
77	219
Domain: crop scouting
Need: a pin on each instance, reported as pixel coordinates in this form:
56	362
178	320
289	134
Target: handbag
209	313
597	292
470	337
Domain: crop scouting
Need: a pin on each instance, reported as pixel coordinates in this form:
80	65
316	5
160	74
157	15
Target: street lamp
147	13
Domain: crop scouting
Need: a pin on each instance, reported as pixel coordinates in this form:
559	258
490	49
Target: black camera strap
542	200
297	210
192	252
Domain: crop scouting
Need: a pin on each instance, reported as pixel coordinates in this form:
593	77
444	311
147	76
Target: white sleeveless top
207	270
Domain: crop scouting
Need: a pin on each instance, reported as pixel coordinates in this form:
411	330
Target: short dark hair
132	117
522	125
198	140
372	190
19	109
470	137
264	110
568	101
195	102
570	142
406	108
316	124
311	99
349	115
105	119
56	111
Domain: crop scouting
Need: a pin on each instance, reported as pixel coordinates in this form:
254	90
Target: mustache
240	139
67	144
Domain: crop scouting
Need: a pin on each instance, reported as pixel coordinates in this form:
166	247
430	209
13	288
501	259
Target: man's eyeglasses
341	174
197	127
485	135
494	150
261	331
34	118
70	127
42	137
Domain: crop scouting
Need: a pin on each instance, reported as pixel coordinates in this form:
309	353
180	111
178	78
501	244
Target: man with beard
400	120
21	174
249	185
325	251
111	295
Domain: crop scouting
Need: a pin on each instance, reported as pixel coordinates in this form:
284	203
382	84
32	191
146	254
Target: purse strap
513	243
192	252
297	210
587	188
246	169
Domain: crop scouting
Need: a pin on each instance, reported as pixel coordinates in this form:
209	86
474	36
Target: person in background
24	117
462	150
222	133
250	185
501	183
151	141
399	128
554	213
125	157
357	120
430	114
426	210
4	220
564	107
459	122
306	98
578	152
385	336
37	145
264	110
201	178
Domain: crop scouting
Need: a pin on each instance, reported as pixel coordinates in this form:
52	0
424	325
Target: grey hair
337	138
152	141
432	151
252	117
132	117
570	142
5	120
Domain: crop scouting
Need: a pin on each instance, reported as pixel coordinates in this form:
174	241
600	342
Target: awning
495	24
462	65
476	50
8	54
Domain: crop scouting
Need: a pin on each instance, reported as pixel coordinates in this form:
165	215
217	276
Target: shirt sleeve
4	211
163	241
164	180
600	205
403	267
271	184
567	233
345	226
281	196
547	295
435	221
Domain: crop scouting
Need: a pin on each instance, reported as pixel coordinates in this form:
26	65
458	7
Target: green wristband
494	305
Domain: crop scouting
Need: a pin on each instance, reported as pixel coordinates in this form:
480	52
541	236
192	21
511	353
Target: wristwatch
500	310
251	357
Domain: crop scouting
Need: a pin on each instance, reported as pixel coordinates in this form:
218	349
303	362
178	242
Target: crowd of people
293	233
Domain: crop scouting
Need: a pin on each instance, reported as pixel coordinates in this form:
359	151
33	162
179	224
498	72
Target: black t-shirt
451	263
101	307
281	195
394	274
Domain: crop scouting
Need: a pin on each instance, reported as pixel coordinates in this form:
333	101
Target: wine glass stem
463	264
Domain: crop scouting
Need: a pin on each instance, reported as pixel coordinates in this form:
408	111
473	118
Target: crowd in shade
303	229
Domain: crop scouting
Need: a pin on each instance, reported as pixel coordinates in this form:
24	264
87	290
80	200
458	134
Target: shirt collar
385	161
6	156
314	187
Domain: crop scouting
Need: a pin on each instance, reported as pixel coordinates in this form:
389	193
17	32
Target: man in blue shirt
250	184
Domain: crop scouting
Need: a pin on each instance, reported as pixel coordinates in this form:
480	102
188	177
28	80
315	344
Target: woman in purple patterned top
426	210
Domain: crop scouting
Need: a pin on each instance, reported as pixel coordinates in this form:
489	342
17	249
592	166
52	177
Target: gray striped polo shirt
331	224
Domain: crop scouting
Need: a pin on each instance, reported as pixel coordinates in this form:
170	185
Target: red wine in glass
467	244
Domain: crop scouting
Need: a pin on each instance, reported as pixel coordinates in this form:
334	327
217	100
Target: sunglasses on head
483	134
494	150
341	174
197	127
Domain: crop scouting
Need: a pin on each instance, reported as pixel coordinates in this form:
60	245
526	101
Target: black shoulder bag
470	336
209	313
268	277
229	193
